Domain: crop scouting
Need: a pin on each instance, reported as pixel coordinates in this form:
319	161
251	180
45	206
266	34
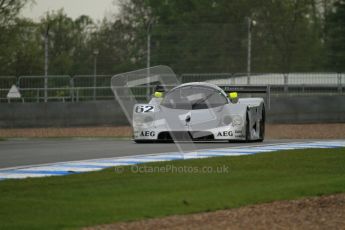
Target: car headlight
143	120
138	121
148	120
237	120
227	120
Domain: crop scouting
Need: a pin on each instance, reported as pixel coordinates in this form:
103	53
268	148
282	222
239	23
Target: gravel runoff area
324	212
273	131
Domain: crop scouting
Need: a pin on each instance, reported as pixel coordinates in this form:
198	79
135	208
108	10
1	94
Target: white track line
71	167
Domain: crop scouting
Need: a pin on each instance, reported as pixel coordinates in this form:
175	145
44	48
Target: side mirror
158	94
233	97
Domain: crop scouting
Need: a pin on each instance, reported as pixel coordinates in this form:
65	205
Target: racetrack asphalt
23	152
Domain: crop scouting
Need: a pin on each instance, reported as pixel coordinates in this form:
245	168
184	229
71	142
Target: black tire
247	128
262	125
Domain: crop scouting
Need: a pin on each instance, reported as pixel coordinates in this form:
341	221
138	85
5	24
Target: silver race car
198	111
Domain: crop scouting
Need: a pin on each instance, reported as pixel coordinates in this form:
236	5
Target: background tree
211	36
335	37
26	51
9	10
69	43
189	35
13	36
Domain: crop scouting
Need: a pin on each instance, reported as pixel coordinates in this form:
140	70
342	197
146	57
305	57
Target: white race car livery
198	111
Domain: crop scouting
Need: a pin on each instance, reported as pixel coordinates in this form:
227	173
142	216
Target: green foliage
68	42
9	10
211	36
108	196
21	53
188	35
18	46
335	37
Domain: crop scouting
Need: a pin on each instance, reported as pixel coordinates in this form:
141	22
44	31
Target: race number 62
144	108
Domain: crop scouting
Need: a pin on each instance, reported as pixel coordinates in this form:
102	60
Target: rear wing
249	89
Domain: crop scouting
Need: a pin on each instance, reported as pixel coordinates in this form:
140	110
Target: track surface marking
138	157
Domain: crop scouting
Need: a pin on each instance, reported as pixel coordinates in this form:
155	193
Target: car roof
203	84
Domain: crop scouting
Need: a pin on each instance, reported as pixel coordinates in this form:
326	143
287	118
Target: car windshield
194	97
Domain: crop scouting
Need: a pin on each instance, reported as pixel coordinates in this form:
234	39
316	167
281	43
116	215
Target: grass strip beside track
106	196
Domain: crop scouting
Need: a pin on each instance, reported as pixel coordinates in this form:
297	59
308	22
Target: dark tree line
189	35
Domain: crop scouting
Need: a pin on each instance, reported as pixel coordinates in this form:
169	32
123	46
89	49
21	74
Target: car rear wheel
262	125
248	136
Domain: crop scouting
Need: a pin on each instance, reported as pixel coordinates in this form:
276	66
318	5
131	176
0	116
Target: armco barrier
284	109
59	114
63	88
307	109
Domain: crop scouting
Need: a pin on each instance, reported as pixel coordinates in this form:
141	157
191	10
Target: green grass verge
106	197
